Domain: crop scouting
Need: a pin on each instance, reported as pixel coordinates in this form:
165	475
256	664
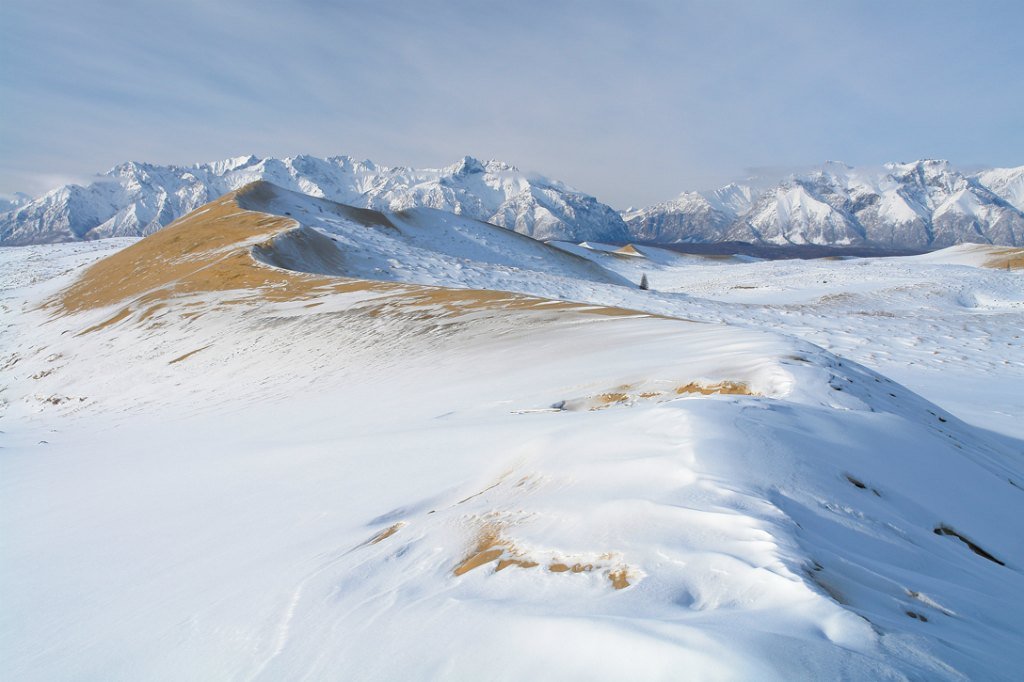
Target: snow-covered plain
774	470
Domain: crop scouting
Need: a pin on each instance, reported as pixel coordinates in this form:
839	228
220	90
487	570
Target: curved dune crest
207	250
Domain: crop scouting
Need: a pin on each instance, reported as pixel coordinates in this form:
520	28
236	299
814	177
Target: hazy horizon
631	104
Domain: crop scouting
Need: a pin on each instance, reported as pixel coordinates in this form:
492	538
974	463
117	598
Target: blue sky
633	102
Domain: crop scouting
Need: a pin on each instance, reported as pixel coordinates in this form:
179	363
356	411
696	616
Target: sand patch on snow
1006	259
628	250
631	394
186	356
492	546
386	533
722	387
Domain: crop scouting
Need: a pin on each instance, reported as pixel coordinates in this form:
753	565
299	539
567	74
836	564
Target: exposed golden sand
494	485
117	317
722	387
619	578
186	355
384	534
521	563
478	559
151	311
606	399
626	395
491	546
1005	258
628	250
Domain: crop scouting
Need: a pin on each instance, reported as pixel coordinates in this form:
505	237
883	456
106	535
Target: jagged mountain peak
927	165
467	165
732	199
234	163
470	165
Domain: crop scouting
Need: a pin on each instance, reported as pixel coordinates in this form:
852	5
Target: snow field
265	490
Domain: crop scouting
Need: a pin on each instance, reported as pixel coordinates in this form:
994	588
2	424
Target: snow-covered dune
417	245
284	438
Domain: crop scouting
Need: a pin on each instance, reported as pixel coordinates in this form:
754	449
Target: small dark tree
644	284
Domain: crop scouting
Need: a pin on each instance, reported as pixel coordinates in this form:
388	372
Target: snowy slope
939	323
1008	183
222	460
135	199
924	204
418	245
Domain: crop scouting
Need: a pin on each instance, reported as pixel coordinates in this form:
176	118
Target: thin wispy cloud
630	101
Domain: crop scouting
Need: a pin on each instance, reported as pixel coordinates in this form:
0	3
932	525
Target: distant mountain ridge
919	205
923	204
135	199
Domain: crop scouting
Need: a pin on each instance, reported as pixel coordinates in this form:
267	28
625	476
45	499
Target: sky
632	102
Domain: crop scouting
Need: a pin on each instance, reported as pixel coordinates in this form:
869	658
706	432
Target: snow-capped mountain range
920	205
135	199
924	204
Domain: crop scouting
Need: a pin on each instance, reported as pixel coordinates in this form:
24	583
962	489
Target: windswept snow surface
939	323
376	483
